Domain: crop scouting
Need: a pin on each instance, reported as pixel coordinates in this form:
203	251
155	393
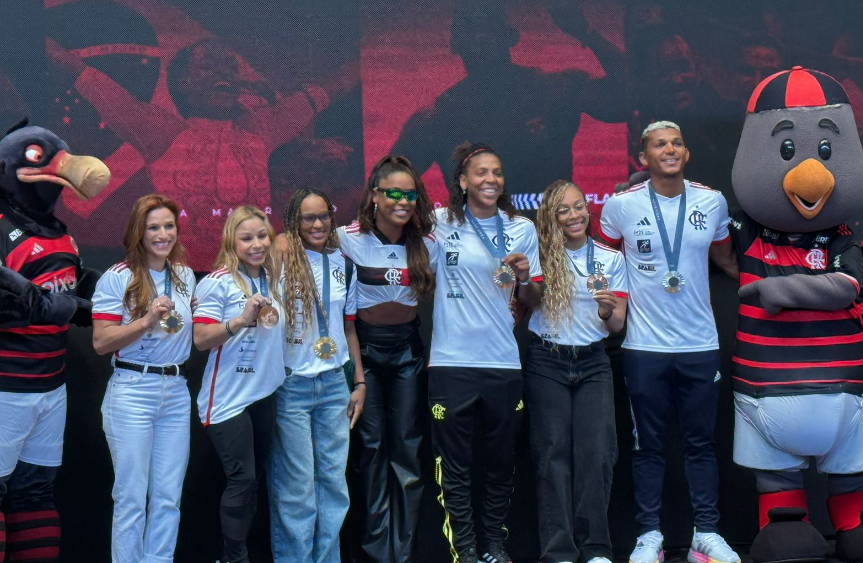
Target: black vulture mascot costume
798	362
42	288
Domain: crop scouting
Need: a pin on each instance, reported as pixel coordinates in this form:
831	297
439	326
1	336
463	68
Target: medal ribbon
262	279
672	255
323	311
168	282
497	251
591	267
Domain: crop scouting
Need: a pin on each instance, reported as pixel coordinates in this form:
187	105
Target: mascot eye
825	150
34	154
786	150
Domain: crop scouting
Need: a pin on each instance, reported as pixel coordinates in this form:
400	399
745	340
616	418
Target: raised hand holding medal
268	316
170	320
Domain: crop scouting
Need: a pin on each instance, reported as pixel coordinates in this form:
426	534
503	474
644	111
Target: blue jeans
306	479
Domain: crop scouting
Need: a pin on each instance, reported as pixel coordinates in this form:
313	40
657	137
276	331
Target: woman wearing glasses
567	379
315	406
388	246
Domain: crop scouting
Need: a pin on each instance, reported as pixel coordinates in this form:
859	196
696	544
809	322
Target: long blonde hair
558	279
229	260
299	281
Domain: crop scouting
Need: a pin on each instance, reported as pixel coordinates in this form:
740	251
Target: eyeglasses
396	194
309	219
564	211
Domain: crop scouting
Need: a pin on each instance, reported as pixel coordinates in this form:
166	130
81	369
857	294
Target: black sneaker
495	553
467	556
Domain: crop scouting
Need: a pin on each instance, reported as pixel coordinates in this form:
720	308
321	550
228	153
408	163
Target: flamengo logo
698	219
57	285
393	276
816	259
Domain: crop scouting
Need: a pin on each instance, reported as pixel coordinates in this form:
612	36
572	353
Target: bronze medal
504	276
325	348
171	322
596	283
268	317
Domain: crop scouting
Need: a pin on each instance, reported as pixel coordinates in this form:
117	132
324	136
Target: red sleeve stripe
537	279
726	240
32	375
350	317
608	248
615	242
621	294
213	385
218	273
798	365
815	341
107	317
119	267
31	355
797	316
205	321
37	329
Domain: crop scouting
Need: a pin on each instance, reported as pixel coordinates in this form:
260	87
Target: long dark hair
422	279
461	156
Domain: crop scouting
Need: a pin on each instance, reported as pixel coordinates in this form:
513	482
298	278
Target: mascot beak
84	175
808	185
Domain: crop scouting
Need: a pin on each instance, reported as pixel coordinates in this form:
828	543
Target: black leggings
243	444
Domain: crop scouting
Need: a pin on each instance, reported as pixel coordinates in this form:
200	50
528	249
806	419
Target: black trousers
385	478
463	400
569	395
243	444
660	385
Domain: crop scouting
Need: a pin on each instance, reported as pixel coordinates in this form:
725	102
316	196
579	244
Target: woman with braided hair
315	408
483	253
389	246
567	379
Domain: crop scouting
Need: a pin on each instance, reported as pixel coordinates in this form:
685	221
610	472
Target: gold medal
325	348
268	317
596	283
673	282
171	322
504	276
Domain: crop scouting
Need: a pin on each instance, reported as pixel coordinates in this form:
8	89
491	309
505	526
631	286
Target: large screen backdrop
222	103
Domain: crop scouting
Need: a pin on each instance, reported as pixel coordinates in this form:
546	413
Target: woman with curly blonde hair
239	305
315	406
568	386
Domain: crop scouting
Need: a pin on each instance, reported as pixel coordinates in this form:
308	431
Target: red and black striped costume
797	351
33	360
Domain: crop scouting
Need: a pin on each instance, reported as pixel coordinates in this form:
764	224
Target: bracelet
228	328
526	282
604	318
358	383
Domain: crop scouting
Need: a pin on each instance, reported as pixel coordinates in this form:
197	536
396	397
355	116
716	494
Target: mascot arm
85	289
23	303
825	292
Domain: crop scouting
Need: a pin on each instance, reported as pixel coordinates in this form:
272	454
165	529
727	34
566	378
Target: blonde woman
567	379
237	319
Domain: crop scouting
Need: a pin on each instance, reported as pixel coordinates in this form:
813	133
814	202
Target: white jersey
660	321
299	353
155	346
246	368
586	326
381	267
472	320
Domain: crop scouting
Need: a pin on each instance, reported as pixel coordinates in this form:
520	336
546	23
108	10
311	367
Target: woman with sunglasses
142	312
387	244
568	386
316	408
485	253
237	319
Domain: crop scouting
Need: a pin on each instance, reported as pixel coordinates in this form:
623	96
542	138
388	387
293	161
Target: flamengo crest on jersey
659	321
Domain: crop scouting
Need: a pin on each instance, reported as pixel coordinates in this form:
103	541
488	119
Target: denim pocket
123	377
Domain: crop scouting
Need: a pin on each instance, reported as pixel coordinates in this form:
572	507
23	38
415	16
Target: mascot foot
787	537
849	545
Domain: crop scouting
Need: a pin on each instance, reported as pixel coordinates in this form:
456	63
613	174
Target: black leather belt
171	370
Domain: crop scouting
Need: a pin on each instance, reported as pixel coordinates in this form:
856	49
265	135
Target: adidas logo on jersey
15	234
645	222
36	250
770	256
393	256
453	236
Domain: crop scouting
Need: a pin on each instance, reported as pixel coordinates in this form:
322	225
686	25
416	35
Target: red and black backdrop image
222	103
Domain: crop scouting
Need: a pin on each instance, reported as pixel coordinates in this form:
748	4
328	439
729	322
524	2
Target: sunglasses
396	194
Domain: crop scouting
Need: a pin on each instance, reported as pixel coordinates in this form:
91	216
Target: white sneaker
710	548
598	560
648	548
